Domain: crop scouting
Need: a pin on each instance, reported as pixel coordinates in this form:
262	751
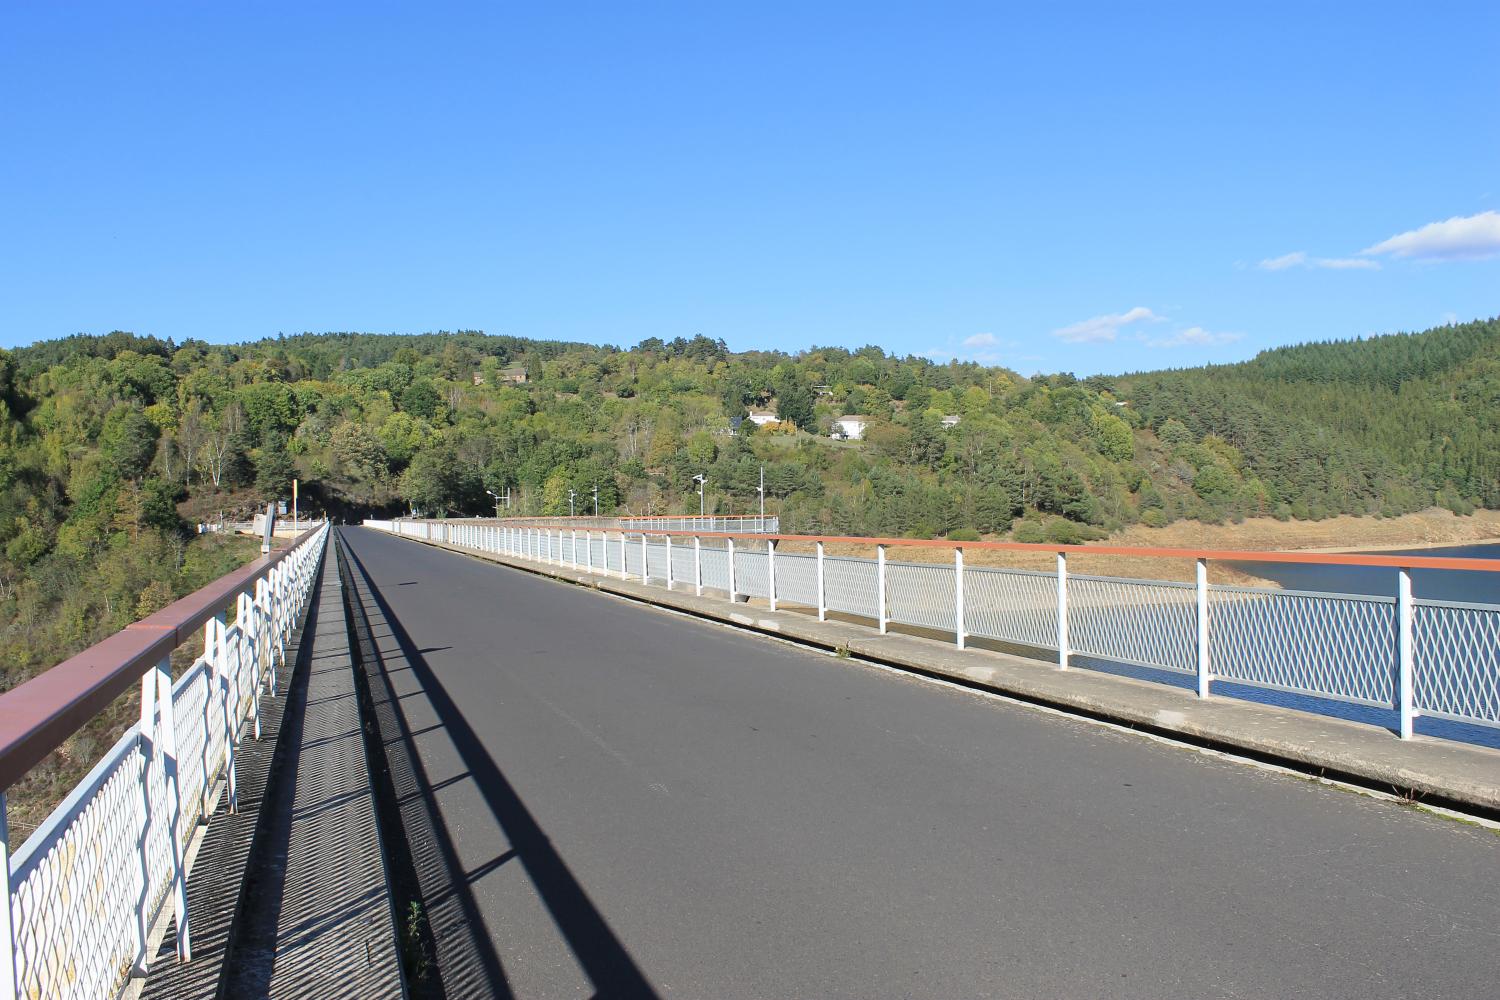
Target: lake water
1439	585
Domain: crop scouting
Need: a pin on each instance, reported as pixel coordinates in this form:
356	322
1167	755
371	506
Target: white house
762	417
849	427
951	420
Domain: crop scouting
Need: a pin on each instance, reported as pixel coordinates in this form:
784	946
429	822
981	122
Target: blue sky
1085	188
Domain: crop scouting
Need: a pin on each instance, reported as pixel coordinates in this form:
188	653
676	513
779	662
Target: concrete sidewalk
1435	771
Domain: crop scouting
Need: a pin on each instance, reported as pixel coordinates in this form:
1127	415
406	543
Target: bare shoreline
1403	546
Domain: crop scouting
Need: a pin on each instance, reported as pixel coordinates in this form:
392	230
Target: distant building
951	420
479	378
823	390
850	427
762	417
512	376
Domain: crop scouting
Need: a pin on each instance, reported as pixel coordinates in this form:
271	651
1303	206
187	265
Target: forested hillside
110	446
1384	425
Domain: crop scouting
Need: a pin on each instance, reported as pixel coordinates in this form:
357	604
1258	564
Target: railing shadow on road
473	968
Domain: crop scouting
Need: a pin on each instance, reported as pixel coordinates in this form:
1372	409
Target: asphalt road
628	802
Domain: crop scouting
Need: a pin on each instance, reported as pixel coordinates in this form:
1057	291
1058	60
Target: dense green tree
421	399
127	441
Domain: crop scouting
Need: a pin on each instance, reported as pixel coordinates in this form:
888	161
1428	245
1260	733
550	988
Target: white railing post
242	616
262	617
624	562
588	550
168	740
1404	653
733	579
697	566
575	546
645	561
959	636
1062	610
142	871
771	572
220	661
880	586
1203	666
822	599
670	575
9	988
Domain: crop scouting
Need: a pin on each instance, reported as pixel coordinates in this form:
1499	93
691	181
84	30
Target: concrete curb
1435	771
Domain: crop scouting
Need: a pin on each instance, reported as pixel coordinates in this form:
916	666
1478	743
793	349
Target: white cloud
1298	259
1459	238
981	348
1347	264
1193	336
1301	259
1105	327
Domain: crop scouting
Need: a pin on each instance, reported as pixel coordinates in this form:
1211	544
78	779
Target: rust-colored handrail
1212	555
36	716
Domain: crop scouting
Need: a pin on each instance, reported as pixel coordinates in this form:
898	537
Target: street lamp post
497	501
596	499
761	489
571	495
702	481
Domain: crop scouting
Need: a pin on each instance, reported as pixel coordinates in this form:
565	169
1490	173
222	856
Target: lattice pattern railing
1144	622
1458	668
1331	645
88	885
796	579
851	586
1012	606
921	595
1326	646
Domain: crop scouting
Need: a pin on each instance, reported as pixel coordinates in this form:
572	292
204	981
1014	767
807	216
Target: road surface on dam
609	799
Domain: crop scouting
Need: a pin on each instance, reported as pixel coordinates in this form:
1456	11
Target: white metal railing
746	524
89	884
1415	657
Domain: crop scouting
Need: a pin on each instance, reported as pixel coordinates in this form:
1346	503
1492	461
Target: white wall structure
849	427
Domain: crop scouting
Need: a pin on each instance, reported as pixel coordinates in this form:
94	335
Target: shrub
1061	532
963	535
1031	532
1154	518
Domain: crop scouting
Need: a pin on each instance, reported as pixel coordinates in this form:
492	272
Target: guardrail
741	523
1412	656
86	888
